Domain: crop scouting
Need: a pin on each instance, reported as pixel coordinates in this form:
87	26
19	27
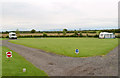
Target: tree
58	33
6	32
87	35
99	32
64	31
39	32
81	35
33	31
17	31
114	31
75	33
44	34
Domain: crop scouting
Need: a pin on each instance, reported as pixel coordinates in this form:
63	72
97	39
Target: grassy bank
15	66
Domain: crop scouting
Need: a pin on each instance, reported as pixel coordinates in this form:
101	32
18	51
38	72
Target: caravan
12	35
104	35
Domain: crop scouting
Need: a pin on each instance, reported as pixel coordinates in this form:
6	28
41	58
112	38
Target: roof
105	33
12	33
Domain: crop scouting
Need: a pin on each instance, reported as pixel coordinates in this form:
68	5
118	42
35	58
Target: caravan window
101	34
111	35
13	34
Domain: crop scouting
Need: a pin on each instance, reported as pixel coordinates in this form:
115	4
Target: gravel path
56	65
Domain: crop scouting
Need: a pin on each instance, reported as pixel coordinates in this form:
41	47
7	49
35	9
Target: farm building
103	35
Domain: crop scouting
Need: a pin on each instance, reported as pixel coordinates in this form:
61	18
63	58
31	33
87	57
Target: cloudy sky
58	14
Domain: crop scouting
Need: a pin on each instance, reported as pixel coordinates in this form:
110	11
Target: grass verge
15	66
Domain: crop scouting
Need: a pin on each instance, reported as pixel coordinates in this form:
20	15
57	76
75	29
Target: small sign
76	51
24	69
8	54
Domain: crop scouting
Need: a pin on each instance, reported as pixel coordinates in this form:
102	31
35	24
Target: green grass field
3	38
66	46
0	62
15	66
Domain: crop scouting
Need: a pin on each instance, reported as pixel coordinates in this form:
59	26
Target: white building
103	35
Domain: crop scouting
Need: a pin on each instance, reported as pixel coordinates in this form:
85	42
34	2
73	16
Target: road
57	65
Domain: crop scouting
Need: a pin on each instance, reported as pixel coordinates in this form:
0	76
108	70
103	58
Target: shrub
44	34
81	35
76	33
87	35
96	35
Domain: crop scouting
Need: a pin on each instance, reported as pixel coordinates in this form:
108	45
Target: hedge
35	36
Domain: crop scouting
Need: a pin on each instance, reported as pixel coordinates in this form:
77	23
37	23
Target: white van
12	35
103	35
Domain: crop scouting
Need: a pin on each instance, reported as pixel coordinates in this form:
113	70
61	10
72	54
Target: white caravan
12	35
103	35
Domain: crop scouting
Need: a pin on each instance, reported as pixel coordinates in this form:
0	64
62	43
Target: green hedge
34	36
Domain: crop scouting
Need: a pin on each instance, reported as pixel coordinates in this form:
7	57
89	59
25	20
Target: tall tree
6	32
17	31
33	31
64	32
58	33
75	33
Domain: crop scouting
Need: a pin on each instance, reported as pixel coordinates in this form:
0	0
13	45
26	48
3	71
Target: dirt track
55	65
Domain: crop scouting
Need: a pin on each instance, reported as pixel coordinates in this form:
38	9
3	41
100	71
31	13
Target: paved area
56	65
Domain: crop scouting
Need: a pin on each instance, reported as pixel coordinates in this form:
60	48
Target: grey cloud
56	14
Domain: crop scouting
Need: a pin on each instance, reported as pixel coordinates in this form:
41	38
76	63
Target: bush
81	35
76	33
87	35
96	35
44	34
7	36
118	36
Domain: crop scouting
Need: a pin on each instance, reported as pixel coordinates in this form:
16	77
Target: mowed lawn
3	38
15	66
0	61
66	46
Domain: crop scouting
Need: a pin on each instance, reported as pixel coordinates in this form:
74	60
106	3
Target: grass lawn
66	46
16	65
3	38
0	62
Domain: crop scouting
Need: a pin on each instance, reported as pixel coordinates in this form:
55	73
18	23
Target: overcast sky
58	14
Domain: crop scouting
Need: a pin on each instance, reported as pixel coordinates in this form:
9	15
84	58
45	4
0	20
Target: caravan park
59	39
58	53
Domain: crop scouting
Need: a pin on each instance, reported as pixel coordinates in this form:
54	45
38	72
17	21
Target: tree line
65	31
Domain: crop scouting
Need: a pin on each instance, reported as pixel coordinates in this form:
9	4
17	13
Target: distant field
66	46
16	65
